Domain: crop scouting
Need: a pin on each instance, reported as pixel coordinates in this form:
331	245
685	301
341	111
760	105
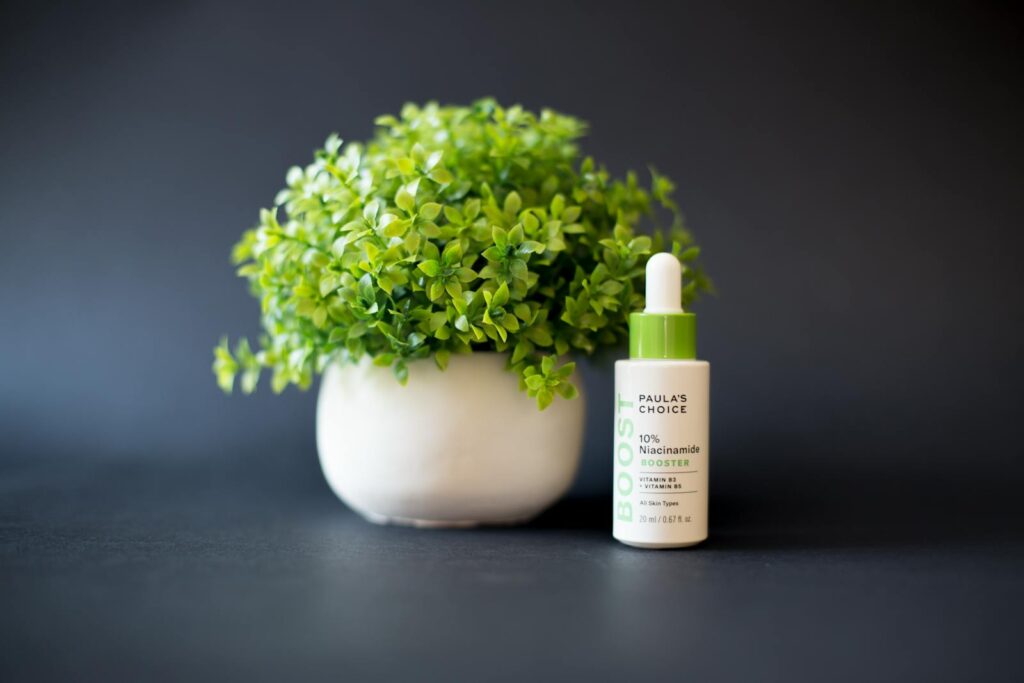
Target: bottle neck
663	336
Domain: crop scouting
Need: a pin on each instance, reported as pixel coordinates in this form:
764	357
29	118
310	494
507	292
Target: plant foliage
454	229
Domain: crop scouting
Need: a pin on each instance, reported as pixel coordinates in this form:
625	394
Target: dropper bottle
661	421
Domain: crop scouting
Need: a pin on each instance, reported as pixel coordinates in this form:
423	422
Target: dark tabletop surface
227	569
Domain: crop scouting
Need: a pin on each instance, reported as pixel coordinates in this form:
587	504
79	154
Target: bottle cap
663	330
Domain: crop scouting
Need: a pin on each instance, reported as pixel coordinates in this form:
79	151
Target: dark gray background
853	175
853	172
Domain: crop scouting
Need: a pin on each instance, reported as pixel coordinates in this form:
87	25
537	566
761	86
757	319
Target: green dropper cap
663	330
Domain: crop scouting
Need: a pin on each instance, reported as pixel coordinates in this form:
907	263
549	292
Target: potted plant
473	252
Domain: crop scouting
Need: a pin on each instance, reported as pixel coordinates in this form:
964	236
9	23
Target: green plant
454	229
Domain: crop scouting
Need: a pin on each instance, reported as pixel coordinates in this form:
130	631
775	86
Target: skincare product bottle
661	421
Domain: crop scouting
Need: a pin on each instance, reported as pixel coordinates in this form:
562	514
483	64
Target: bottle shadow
878	522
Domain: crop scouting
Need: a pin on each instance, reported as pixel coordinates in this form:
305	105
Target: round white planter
455	448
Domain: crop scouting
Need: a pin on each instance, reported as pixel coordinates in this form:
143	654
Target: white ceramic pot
455	448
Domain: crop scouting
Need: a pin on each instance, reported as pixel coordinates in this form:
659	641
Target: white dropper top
664	284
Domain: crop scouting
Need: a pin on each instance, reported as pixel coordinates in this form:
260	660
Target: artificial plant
455	229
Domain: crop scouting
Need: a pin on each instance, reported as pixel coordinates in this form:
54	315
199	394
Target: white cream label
661	451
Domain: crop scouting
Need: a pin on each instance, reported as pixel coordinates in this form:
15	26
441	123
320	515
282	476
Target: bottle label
661	451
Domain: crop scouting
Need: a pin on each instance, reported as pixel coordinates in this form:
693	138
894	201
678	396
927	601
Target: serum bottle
661	421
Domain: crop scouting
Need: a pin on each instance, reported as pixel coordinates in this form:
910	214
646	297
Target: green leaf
530	223
540	336
328	284
544	398
430	267
320	316
521	351
500	237
401	371
640	245
567	390
406	166
249	380
453	288
224	366
501	295
441	176
453	216
333	144
366	290
369	214
515	235
493	254
395	228
518	268
557	205
452	253
412	243
430	211
512	203
436	290
405	200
